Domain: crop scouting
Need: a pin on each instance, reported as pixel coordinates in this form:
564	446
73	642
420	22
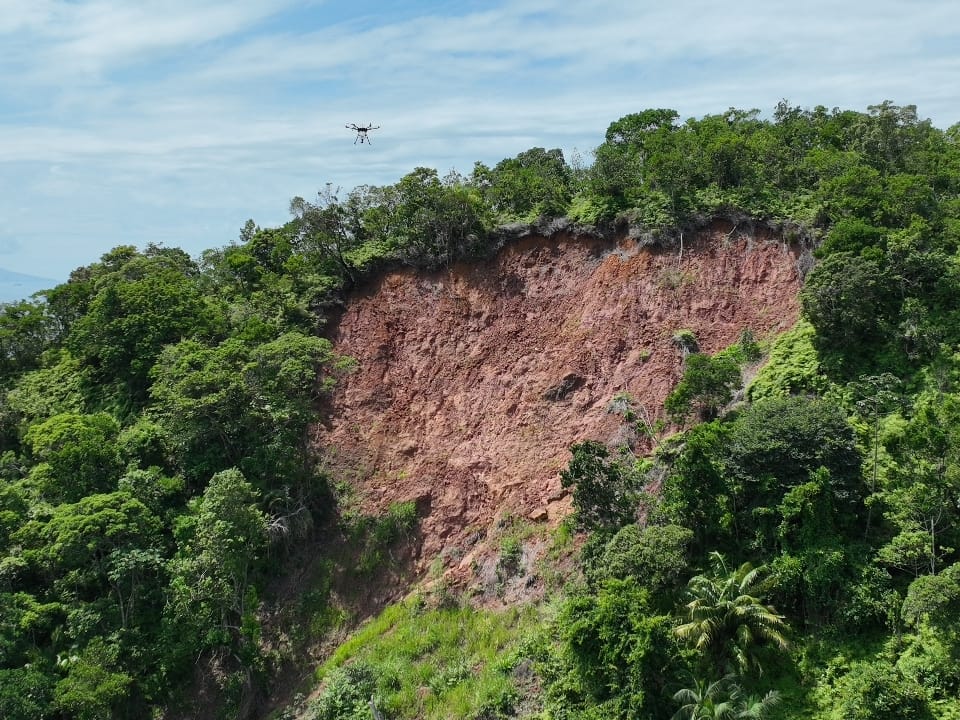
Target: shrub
346	695
655	555
877	691
707	385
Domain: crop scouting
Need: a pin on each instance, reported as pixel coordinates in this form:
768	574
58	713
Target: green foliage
376	536
726	620
536	182
220	544
934	599
347	694
707	385
655	555
142	303
434	222
793	367
846	299
775	444
931	658
25	333
877	691
922	493
511	552
604	489
237	405
592	209
126	389
76	455
94	687
621	650
87	540
721	699
686	341
850	235
25	694
436	663
42	393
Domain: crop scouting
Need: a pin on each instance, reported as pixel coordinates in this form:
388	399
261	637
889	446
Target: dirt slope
472	383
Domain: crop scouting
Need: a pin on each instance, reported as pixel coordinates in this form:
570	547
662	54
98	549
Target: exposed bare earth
473	382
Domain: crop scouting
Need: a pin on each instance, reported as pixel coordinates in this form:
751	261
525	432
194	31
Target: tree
878	691
76	455
726	621
934	599
655	555
143	303
630	145
94	687
25	694
243	406
707	385
876	397
436	222
922	497
776	444
620	648
705	700
103	545
536	182
604	491
696	493
846	299
220	545
25	332
324	230
721	700
40	394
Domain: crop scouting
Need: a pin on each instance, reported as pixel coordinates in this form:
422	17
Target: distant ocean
17	286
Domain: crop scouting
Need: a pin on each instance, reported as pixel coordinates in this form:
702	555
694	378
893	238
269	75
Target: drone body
362	131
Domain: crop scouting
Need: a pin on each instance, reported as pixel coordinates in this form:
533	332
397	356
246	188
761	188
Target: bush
347	694
655	556
708	384
376	535
620	650
793	366
605	491
877	691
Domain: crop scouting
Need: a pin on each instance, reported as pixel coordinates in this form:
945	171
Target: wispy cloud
175	121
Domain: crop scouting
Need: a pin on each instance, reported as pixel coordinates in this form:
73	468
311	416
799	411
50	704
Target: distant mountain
17	286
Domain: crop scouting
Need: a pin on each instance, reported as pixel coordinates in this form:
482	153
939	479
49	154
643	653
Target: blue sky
129	122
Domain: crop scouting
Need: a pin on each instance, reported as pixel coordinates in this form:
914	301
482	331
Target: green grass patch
442	663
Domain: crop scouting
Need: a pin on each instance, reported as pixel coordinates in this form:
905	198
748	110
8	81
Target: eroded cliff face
472	383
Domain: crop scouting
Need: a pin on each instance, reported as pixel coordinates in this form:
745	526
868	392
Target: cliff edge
471	383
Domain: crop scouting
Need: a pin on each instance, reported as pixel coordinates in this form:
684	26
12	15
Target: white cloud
178	120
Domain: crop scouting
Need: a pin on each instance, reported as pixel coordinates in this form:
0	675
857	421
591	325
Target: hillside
674	433
472	383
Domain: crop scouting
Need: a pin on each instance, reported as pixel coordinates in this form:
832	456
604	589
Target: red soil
473	382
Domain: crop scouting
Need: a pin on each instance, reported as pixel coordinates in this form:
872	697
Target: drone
362	131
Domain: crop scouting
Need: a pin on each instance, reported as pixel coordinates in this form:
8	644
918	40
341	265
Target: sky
128	122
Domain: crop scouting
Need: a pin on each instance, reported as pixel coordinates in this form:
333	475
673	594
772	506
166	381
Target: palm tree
725	619
721	700
704	701
752	708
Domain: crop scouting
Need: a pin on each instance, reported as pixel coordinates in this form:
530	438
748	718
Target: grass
437	663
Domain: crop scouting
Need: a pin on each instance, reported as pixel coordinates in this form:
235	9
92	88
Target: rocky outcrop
471	383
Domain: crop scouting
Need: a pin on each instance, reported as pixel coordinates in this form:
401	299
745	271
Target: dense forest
800	555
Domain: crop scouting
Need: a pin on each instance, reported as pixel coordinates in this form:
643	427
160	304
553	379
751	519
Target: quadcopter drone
362	131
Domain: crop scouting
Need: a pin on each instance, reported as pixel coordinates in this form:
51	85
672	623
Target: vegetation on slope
155	474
